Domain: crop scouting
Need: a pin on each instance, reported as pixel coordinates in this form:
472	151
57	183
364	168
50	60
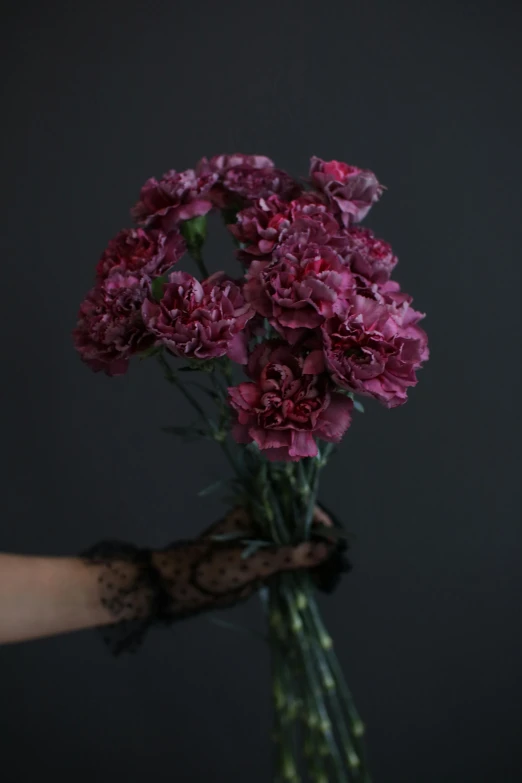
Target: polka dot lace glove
223	566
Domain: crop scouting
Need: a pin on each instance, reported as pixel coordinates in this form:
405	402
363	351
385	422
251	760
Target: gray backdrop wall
96	98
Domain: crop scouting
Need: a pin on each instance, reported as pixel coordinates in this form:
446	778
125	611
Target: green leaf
211	488
252	547
235	535
331	532
199	365
157	287
187	433
356	404
237	628
203	389
152	351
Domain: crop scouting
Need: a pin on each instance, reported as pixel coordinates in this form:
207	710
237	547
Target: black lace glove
141	588
328	573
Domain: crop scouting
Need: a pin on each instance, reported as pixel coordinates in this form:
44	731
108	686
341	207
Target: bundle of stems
318	734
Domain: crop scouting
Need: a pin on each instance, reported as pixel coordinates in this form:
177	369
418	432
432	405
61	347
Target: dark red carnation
367	255
200	320
110	328
298	289
177	196
283	409
258	227
374	349
350	191
141	252
268	222
221	164
243	178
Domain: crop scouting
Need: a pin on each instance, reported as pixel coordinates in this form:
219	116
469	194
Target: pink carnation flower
397	302
270	221
177	196
221	164
243	178
110	328
283	409
374	349
298	289
350	191
258	227
140	251
200	320
367	255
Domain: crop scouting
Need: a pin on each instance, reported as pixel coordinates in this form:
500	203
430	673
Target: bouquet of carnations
313	321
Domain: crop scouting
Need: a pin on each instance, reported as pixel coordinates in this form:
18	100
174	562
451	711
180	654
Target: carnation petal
240	433
303	445
314	363
237	349
245	395
335	419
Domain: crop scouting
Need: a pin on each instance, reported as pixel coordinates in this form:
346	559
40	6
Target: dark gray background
96	98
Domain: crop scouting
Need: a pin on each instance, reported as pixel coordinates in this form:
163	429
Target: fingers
204	574
321	518
305	555
223	571
226	570
239	521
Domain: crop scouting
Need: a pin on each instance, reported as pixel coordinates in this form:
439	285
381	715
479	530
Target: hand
214	571
192	576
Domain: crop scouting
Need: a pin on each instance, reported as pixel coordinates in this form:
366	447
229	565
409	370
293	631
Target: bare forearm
42	596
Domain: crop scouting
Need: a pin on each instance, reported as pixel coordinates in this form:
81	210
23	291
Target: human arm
117	583
43	596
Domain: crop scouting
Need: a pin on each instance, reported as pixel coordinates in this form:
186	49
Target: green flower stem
314	487
306	497
290	718
314	759
345	703
326	452
304	488
283	696
197	256
219	379
220	437
227	451
331	688
356	722
299	709
309	663
318	727
331	722
172	378
226	371
282	534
